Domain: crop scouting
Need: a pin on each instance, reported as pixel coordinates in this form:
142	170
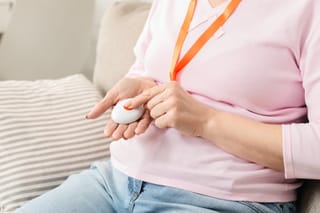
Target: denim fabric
103	189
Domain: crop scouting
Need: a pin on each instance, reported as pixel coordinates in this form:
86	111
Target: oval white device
121	115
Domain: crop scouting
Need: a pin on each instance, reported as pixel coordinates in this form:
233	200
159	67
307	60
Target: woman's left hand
172	107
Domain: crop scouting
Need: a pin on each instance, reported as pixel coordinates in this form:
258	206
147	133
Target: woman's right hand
125	88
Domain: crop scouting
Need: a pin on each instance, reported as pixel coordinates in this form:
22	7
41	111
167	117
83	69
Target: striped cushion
44	136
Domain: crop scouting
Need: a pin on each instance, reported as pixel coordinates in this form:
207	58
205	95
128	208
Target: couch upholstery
48	39
115	48
309	197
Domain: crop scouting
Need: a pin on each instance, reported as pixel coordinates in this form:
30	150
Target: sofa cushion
44	136
120	28
309	197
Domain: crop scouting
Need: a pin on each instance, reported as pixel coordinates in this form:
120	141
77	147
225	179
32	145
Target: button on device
122	114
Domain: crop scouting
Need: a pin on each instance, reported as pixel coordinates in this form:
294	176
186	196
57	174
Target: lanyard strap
176	65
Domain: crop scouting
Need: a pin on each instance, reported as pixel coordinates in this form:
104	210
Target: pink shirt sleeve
301	142
138	69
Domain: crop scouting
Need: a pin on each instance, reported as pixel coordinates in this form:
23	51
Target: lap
103	189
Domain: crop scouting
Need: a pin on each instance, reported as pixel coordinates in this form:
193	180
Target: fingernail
86	117
127	108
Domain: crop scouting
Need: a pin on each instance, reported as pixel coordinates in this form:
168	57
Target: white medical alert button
121	115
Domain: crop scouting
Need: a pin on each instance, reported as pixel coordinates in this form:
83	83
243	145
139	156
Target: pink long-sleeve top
264	64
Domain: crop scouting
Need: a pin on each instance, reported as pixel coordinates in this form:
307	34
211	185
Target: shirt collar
204	12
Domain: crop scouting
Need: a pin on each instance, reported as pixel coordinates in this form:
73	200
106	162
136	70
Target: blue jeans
103	189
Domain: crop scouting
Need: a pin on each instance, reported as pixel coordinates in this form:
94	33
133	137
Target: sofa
44	136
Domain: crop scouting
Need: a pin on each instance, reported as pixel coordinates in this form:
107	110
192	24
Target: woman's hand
171	106
125	88
251	140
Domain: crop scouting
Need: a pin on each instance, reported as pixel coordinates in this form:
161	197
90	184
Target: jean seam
135	189
134	196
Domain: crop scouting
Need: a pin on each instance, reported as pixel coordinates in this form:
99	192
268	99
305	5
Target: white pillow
44	136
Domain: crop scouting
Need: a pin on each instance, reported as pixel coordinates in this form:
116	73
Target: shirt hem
258	197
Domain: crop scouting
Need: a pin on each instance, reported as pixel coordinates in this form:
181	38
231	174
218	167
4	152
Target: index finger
102	106
144	97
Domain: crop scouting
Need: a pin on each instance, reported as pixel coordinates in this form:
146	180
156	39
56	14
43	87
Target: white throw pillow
44	136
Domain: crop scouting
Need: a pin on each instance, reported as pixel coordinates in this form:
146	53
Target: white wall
48	39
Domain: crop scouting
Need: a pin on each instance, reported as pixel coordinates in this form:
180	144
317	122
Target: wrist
209	124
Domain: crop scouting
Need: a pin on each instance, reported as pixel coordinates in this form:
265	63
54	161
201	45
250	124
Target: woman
233	127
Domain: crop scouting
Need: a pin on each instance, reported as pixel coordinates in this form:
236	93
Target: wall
48	39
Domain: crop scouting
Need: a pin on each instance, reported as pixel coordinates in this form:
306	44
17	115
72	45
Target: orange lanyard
176	65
